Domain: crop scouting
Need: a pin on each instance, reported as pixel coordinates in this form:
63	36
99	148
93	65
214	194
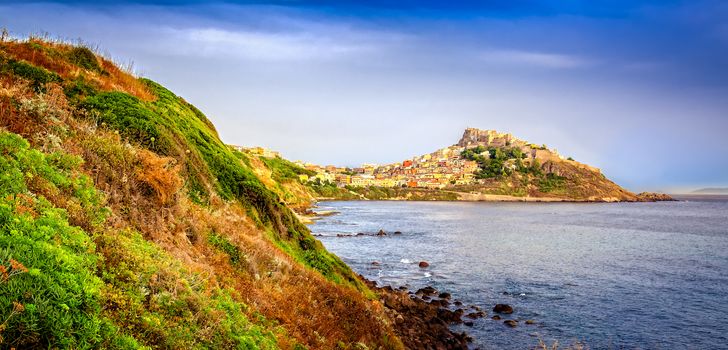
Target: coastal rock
475	315
530	322
421	325
426	291
397	232
444	295
468	323
424	264
381	233
653	197
376	263
453	317
496	317
511	323
503	309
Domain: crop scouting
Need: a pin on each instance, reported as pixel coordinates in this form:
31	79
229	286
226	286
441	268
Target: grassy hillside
125	222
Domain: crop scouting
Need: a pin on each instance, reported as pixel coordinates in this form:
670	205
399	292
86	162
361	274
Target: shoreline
495	198
422	319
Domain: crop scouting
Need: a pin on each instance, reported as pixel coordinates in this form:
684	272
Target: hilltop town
482	165
440	169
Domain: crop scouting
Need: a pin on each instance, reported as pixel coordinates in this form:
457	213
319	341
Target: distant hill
712	190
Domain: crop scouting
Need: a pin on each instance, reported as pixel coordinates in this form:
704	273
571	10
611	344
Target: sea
603	275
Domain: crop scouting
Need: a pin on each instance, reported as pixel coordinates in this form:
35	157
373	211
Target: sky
637	88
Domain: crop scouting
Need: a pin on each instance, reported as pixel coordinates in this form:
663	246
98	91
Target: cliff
125	222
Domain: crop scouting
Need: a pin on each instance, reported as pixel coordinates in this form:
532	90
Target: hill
711	190
482	165
125	222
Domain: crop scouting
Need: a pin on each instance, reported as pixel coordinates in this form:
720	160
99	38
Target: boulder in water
511	323
424	264
503	309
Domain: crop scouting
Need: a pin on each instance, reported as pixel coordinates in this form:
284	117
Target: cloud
280	45
537	59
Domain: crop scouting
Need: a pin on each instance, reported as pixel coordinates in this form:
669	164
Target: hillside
482	165
125	222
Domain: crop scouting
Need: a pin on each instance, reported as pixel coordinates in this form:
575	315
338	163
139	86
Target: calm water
628	275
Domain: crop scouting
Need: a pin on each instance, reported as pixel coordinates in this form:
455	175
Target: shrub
129	116
59	294
37	76
237	258
551	182
84	58
283	170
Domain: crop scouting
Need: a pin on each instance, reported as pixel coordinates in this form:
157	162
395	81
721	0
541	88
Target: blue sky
637	88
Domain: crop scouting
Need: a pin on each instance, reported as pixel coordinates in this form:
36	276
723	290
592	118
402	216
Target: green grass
79	290
59	293
283	170
37	76
237	258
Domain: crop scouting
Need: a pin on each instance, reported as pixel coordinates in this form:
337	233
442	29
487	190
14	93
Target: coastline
422	319
485	197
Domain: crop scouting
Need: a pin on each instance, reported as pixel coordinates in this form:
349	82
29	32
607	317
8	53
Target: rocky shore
654	197
422	319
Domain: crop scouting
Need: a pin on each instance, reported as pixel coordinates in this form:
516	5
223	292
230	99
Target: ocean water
611	276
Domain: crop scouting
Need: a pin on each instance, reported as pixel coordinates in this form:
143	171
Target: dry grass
52	55
160	174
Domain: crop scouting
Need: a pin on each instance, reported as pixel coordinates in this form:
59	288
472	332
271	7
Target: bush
283	170
551	183
59	293
37	76
129	116
237	258
84	58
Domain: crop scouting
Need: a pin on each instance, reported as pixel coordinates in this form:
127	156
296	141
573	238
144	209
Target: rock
653	197
376	263
424	264
511	323
444	295
475	315
458	303
426	291
361	234
496	317
397	232
381	233
468	323
503	309
530	322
